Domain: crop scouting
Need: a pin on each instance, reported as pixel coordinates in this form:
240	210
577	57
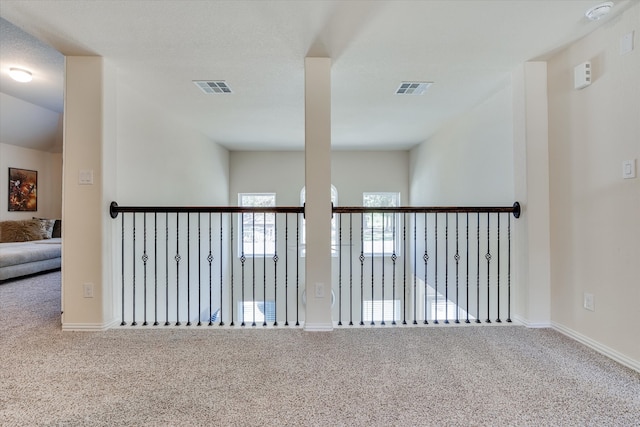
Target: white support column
88	183
532	274
318	193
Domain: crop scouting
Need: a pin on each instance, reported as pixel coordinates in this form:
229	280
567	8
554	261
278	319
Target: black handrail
115	209
515	209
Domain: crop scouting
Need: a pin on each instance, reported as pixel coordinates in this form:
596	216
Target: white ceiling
468	48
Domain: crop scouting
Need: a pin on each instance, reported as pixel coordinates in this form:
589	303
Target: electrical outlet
87	290
589	302
319	290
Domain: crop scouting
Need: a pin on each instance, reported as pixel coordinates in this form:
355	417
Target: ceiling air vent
211	87
413	88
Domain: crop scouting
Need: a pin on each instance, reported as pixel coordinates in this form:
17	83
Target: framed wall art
23	190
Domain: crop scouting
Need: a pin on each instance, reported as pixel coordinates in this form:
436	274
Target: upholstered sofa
28	247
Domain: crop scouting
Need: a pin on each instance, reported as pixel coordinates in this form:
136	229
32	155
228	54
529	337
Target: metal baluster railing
275	273
145	297
435	233
339	270
286	270
426	270
447	249
145	258
488	257
350	269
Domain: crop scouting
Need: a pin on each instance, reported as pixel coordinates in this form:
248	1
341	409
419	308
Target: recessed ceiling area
46	65
30	110
468	48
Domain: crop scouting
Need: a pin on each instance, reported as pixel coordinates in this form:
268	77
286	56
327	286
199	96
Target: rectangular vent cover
211	87
413	88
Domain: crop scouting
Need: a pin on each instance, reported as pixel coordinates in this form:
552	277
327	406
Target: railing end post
516	210
112	210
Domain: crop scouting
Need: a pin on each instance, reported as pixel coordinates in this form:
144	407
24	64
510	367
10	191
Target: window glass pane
257	229
256	311
380	231
379	310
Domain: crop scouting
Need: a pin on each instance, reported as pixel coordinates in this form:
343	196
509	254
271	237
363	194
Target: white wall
49	168
595	213
140	156
467	163
29	125
353	172
470	161
280	172
531	167
163	162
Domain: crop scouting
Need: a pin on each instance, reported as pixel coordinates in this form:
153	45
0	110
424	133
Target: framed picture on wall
23	194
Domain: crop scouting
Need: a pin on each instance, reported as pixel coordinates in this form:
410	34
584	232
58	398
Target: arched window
334	237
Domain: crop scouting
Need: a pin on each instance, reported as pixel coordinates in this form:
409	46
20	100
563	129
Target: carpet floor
396	376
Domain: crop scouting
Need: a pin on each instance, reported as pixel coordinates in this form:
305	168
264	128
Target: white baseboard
318	327
600	348
525	322
89	327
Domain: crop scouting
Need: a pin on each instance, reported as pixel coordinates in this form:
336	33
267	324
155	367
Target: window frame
396	242
258	252
389	307
249	311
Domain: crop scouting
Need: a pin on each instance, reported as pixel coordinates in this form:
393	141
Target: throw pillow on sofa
47	227
21	231
57	228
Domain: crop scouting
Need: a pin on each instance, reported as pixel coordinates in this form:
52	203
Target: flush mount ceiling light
211	87
599	11
20	75
413	88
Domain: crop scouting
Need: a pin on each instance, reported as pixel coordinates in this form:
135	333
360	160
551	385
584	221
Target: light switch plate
629	169
626	43
85	177
589	302
87	290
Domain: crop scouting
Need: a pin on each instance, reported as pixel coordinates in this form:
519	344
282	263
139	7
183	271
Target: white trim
208	328
600	348
318	327
89	327
524	322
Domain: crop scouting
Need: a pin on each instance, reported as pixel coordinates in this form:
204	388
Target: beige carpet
440	376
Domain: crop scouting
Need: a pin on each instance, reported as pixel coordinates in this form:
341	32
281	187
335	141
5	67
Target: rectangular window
381	230
448	310
378	310
257	229
256	311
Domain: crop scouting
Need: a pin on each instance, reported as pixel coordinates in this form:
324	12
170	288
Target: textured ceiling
468	48
19	49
